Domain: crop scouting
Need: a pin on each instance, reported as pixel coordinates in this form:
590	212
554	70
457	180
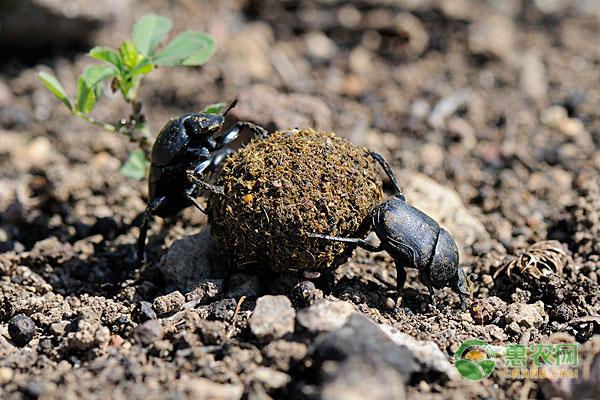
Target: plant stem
108	127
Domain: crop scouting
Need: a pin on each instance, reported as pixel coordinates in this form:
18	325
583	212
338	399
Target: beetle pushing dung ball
299	200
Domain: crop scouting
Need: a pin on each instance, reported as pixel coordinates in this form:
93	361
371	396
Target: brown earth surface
488	112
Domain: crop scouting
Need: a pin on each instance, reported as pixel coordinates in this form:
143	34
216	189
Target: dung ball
279	189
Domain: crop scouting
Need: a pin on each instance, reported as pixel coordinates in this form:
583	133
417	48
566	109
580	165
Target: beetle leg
151	208
233	133
195	173
188	195
360	242
390	173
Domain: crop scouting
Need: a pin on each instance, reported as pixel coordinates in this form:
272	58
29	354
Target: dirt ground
496	102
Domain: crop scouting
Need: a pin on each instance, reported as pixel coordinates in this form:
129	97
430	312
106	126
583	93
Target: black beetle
181	157
414	240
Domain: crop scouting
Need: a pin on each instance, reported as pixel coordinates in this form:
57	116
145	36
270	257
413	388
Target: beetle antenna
233	104
388	170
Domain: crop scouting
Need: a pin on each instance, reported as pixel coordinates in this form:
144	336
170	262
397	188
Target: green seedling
125	69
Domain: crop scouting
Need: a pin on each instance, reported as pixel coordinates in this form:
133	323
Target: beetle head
463	284
205	125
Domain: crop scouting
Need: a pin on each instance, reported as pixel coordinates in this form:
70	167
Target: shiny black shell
412	238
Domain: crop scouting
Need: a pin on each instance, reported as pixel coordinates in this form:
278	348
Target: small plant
125	70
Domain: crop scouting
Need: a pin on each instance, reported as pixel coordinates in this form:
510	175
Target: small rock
360	346
390	303
212	332
419	109
203	388
533	78
21	329
6	375
427	353
324	316
284	354
492	37
271	379
207	290
320	46
445	107
89	332
222	310
305	294
557	117
243	285
149	332
191	259
168	303
526	315
410	27
142	312
482	311
272	318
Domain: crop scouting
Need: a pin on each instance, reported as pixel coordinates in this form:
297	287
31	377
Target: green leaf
216	108
129	54
137	166
56	88
141	68
94	74
189	48
86	97
149	31
107	54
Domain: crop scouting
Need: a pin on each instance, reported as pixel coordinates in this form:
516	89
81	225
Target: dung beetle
414	240
183	153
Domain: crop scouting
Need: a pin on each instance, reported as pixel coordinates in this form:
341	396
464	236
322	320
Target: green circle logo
475	360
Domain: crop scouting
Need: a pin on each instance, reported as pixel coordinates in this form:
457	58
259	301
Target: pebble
222	310
270	378
212	332
320	46
149	332
305	294
21	329
203	388
410	27
533	79
445	107
427	353
324	316
557	117
168	303
359	360
493	36
284	354
526	315
482	311
6	375
207	290
142	312
390	303
273	317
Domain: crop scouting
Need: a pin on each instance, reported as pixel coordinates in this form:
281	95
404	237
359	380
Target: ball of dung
279	189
